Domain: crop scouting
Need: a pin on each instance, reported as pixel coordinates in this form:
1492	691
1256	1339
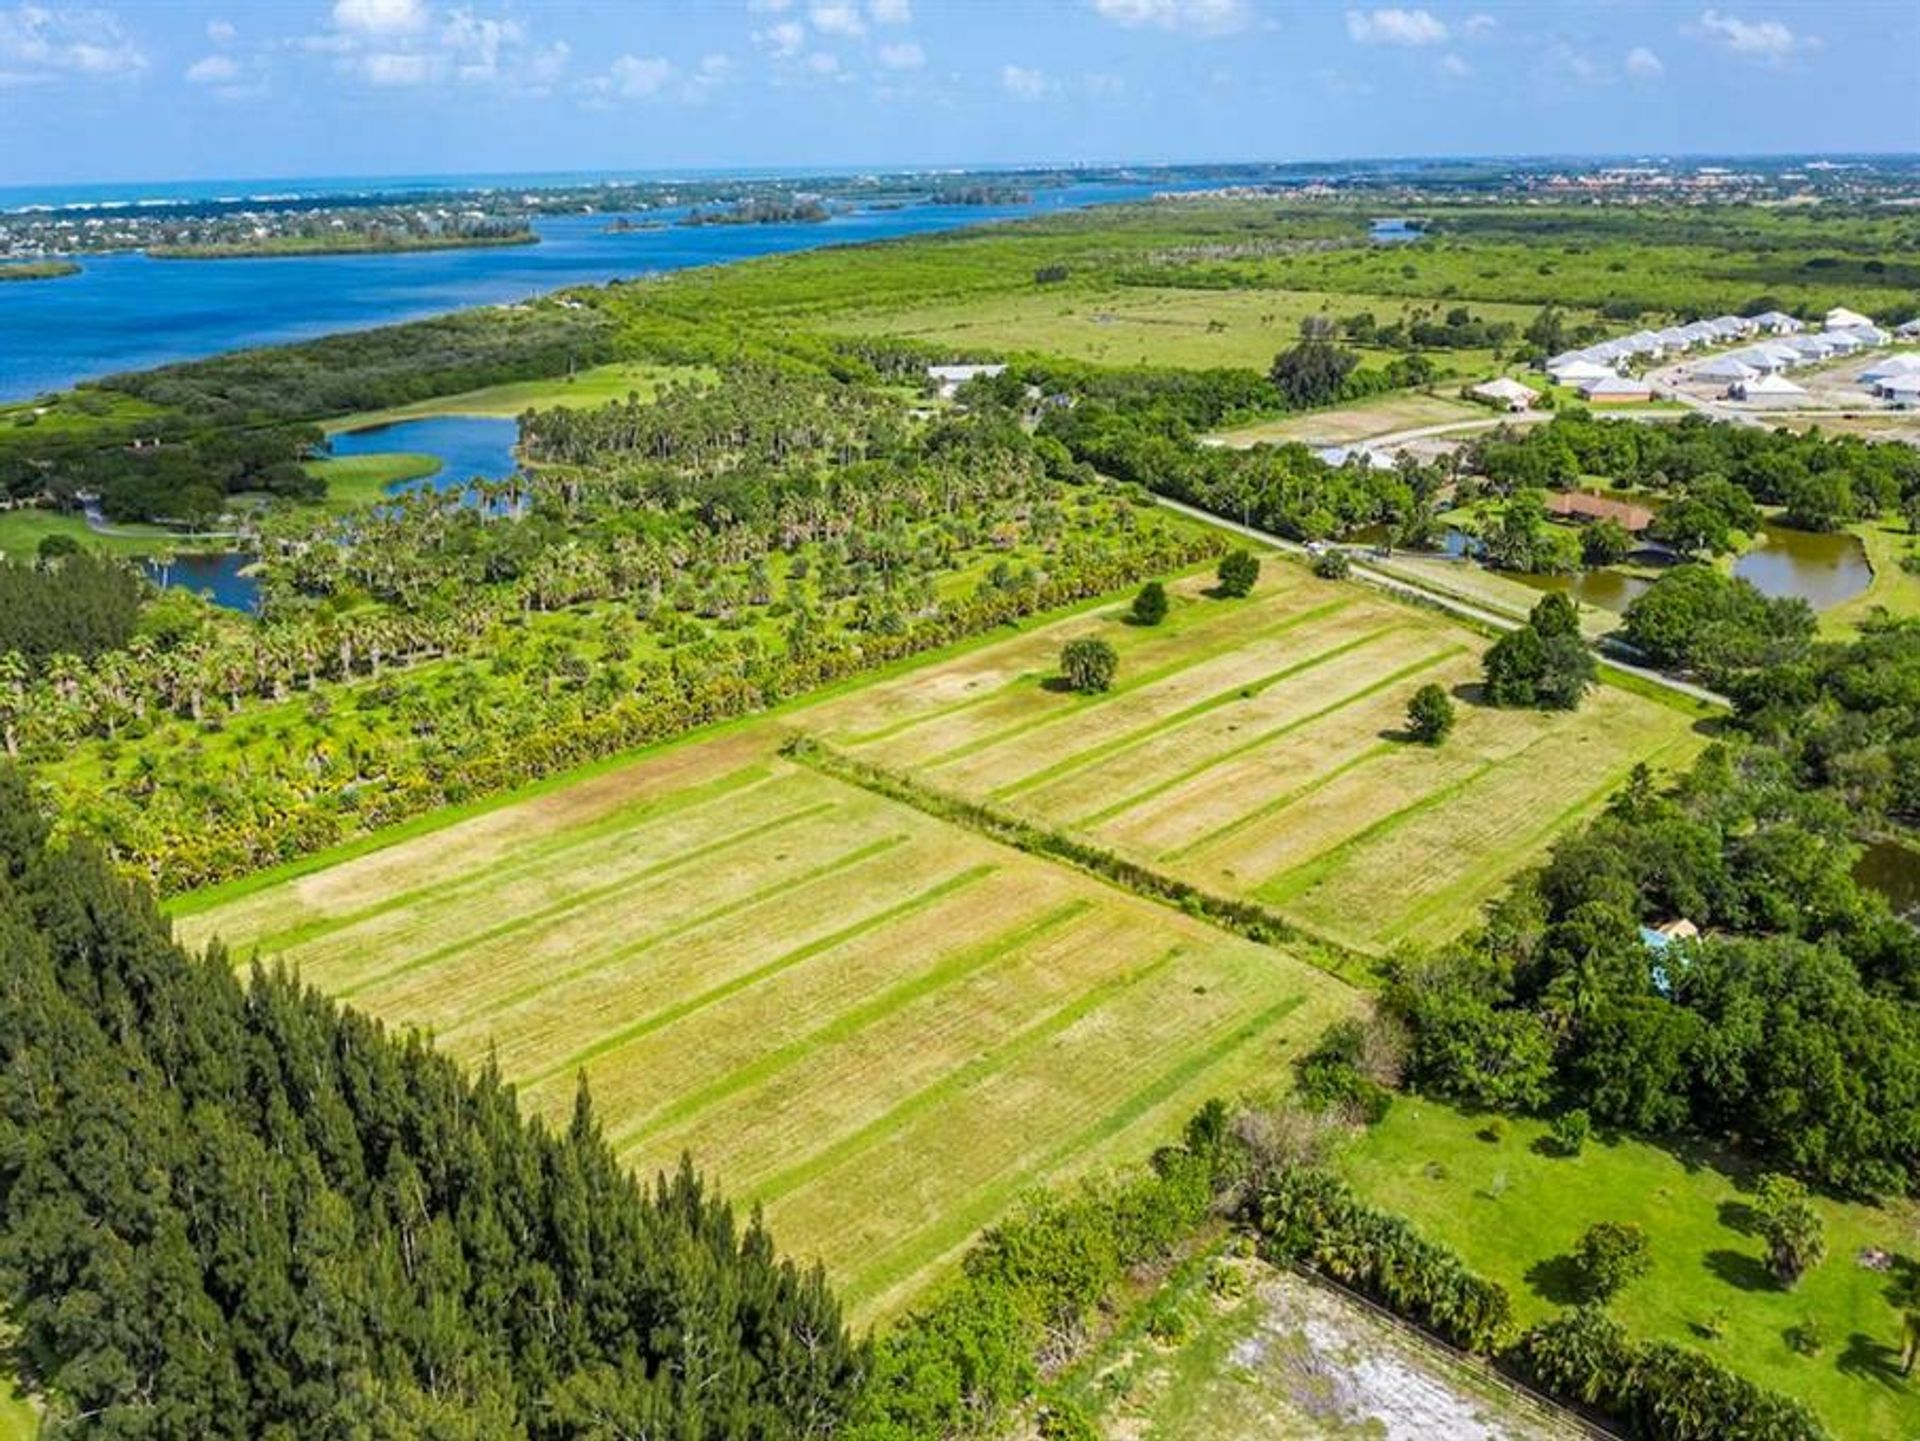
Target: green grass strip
622	954
661	1019
1186	661
956	966
1291	882
1094	754
623	818
980	1066
959	1222
1266	737
592	895
1199	618
1248	819
1243	918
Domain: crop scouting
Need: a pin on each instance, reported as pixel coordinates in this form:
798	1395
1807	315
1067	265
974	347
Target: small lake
212	573
1394	231
1893	870
1606	588
1822	568
468	447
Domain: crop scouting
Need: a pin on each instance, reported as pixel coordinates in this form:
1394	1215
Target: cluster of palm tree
1657	1388
1309	1216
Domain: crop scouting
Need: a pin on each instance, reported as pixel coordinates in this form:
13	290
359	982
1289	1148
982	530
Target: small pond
1893	870
1394	231
1823	569
1607	588
468	447
1453	544
213	573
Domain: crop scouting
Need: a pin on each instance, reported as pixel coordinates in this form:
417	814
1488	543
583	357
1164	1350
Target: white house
1843	342
1810	347
1729	368
1732	327
1888	366
1614	389
1645	342
1700	332
1868	335
1841	318
1901	389
1767	389
1674	337
1339	455
1579	372
1505	391
949	378
1778	322
1909	331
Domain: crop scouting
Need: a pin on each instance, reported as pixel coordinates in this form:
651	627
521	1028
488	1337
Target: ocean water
126	312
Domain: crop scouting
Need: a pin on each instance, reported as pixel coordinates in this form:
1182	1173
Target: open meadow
1497	1192
880	1026
1253	749
1138	325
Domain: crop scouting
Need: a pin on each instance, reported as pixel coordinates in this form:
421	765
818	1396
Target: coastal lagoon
126	312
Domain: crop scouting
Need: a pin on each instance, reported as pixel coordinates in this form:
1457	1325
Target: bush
1794	1233
1430	714
1150	606
1610	1256
1332	564
1088	664
1570	1130
1238	572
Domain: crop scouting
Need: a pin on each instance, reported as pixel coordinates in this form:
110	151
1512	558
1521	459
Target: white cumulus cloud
890	12
213	70
1205	17
38	44
1023	82
1643	64
837	18
396	69
907	55
1396	27
222	32
380	17
1761	39
637	77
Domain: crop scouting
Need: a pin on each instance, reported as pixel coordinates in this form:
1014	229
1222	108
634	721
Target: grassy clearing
1252	749
1383	415
825	995
1143	325
596	385
1513	1209
18	1420
357	480
21	532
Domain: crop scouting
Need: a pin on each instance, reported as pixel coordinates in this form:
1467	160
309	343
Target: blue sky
180	89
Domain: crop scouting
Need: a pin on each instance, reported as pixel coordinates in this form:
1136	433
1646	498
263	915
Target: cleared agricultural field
1382	415
1252	748
1141	325
883	1027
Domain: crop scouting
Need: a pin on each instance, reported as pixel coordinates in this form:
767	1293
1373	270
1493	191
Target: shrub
1089	664
1150	606
1794	1233
1238	571
1611	1255
1430	714
1570	1130
1332	564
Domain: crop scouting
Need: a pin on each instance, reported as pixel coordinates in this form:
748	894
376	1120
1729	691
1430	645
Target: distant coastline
281	246
36	269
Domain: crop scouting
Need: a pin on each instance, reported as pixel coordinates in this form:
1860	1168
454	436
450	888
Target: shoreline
323	249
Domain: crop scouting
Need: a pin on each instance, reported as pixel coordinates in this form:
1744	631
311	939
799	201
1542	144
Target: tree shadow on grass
1471	692
1058	685
1558	1279
1739	1217
1741	1271
1866	1359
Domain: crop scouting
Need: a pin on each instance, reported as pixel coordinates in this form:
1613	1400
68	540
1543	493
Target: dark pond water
1822	569
1608	589
213	573
468	447
1893	870
1454	544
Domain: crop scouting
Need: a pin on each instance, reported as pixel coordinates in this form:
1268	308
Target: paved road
1411	590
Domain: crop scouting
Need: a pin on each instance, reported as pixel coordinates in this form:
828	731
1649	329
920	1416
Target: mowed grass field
882	1027
1253	748
1152	326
